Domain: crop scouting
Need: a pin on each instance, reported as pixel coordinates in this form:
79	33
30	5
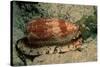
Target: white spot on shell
53	23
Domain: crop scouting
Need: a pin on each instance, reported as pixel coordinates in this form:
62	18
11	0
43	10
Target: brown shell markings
51	31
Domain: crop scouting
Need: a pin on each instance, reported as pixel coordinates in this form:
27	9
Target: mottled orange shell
54	30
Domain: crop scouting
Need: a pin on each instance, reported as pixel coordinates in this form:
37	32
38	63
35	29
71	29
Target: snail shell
51	31
48	36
